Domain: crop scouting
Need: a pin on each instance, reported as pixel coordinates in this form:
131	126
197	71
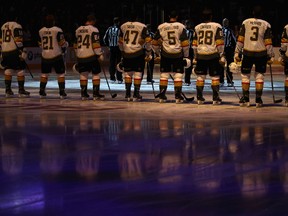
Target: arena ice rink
113	157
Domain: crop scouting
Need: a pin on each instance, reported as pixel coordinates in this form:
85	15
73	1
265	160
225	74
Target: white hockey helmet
120	67
187	62
235	67
75	68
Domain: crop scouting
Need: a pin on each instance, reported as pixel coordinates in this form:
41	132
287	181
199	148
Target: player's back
86	37
132	37
253	34
172	35
207	37
11	33
51	39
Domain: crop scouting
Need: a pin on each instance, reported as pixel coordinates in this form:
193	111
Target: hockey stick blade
278	101
114	95
187	99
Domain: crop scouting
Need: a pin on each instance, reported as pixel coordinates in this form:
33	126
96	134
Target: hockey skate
179	99
98	96
9	93
259	102
244	101
137	97
200	100
42	94
62	94
84	96
128	97
23	93
162	98
217	101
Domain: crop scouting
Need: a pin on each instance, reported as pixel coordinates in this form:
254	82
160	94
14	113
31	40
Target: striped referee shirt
111	36
229	37
190	33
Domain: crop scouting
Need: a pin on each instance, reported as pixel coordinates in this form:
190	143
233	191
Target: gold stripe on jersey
268	41
148	39
184	43
61	42
141	41
194	43
96	45
219	42
18	39
240	39
284	40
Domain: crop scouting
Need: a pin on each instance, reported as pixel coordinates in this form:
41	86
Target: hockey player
53	45
134	36
254	45
208	45
284	59
89	55
14	55
171	45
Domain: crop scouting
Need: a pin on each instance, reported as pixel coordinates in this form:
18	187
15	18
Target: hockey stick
274	100
104	72
186	98
26	65
149	71
227	75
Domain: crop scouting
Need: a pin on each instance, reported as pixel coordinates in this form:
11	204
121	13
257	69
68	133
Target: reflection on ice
245	158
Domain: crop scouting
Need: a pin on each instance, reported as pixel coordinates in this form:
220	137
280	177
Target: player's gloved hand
23	54
281	61
222	61
64	50
101	58
148	58
194	62
157	60
270	60
237	57
282	52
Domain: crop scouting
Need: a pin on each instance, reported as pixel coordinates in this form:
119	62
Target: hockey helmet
187	62
235	67
120	67
75	68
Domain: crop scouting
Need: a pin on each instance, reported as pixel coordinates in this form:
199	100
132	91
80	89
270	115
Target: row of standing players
170	45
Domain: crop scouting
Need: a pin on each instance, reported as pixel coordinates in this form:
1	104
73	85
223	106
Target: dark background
71	14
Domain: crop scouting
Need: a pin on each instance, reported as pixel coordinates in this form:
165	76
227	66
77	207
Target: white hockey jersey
172	40
255	38
134	37
284	40
11	37
88	42
51	41
208	40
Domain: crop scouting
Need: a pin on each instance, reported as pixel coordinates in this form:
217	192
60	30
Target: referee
111	39
229	47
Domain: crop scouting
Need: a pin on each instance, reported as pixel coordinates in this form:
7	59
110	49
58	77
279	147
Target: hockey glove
186	62
237	57
23	54
101	58
281	61
194	62
148	58
270	60
222	61
157	60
